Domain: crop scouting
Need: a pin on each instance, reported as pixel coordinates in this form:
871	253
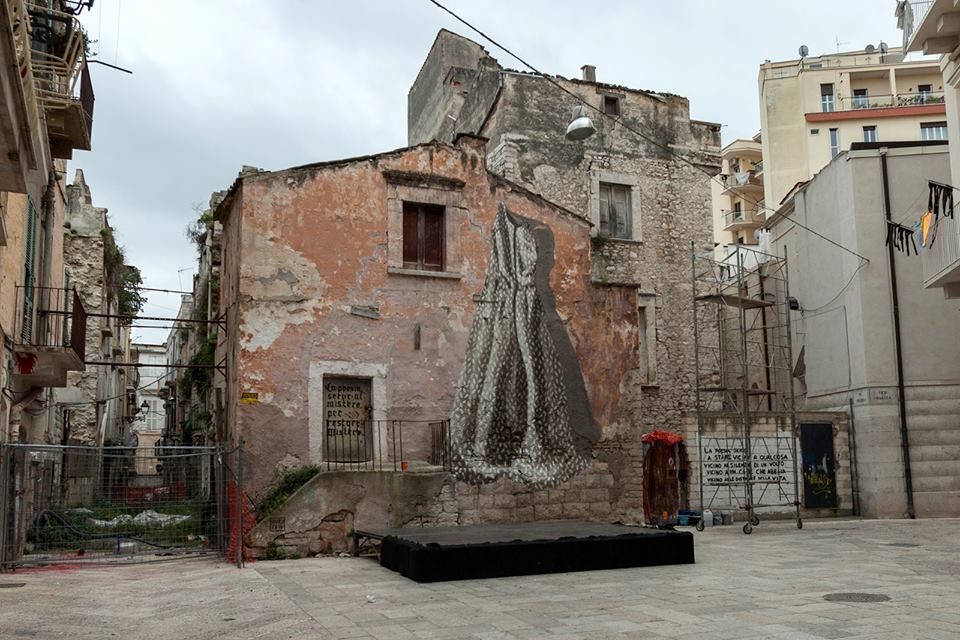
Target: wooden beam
939	45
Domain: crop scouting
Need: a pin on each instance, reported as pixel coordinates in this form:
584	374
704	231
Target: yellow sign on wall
249	397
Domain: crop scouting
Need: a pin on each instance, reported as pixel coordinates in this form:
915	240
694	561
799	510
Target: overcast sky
222	83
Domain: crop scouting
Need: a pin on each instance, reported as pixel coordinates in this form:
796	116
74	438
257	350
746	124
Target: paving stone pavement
767	585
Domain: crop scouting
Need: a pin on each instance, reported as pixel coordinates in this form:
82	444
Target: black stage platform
433	554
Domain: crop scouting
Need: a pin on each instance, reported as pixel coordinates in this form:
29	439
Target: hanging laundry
928	228
901	238
939	200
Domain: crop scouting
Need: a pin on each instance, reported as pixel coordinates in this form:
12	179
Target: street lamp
580	127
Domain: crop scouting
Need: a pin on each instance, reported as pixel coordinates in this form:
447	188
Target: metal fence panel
110	505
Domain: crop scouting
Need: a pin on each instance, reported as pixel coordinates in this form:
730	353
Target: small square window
611	105
814	132
423	234
870	133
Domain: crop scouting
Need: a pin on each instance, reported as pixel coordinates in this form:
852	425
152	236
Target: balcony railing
51	50
740	179
941	262
886	101
386	445
914	11
741	218
51	318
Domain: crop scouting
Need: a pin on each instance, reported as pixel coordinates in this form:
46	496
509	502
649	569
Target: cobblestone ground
767	585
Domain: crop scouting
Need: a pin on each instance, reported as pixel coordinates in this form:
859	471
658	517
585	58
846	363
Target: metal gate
109	505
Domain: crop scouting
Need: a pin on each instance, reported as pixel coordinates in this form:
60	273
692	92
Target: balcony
735	220
50	339
850	103
941	262
57	63
883	106
930	26
741	181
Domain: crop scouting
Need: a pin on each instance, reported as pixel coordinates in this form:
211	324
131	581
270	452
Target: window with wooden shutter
615	211
29	272
423	236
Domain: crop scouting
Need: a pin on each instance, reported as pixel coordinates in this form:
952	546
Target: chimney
589	73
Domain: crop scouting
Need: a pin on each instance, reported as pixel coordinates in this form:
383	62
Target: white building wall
845	327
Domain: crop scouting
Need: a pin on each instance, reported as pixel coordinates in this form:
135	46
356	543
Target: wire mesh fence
108	505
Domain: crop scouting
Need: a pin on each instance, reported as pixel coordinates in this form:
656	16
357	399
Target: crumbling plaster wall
312	245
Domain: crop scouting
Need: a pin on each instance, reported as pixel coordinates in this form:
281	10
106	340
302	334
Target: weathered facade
47	112
194	406
648	198
302	310
96	398
330	305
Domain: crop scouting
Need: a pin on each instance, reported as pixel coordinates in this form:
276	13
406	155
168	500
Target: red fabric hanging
664	436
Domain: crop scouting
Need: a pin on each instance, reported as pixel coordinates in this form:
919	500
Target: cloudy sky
218	84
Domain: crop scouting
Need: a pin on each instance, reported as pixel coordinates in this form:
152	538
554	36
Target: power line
120	395
619	120
164	290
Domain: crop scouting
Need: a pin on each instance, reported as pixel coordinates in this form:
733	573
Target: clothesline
940	203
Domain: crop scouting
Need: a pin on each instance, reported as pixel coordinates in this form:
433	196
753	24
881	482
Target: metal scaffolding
746	415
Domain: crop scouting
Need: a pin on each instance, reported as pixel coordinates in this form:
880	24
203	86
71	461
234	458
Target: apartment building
737	193
933	27
813	108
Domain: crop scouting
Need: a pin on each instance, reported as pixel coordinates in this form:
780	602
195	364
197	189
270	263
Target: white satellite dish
804	51
884	47
870	49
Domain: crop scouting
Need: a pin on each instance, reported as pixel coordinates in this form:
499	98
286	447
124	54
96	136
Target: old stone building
356	291
322	297
95	400
193	405
648	198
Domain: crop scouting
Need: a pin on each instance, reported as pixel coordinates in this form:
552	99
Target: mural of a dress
512	414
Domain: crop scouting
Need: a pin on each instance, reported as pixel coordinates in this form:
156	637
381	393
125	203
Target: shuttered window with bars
615	211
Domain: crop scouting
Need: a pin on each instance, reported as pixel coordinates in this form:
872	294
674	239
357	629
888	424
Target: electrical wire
164	290
619	120
816	311
120	395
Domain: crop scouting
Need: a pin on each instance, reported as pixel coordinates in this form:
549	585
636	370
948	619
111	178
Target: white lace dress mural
510	415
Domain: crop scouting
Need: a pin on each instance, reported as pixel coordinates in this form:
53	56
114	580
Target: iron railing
52	317
58	52
740	179
737	216
914	13
379	445
51	54
886	101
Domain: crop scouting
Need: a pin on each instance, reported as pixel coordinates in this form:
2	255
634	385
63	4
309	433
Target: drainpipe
904	433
